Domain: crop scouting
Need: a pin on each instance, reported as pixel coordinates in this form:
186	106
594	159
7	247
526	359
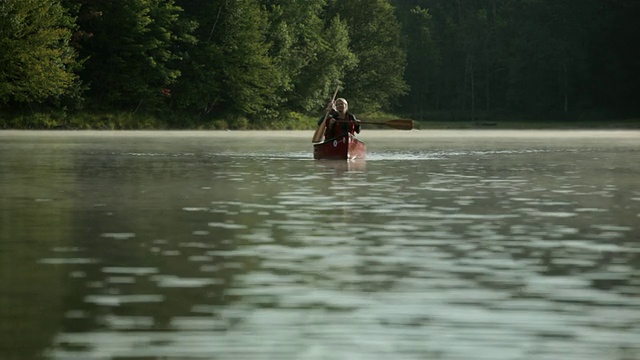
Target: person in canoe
339	120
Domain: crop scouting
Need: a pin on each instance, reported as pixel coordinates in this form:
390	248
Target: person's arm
329	111
356	125
331	119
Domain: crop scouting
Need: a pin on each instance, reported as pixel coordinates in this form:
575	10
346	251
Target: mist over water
238	245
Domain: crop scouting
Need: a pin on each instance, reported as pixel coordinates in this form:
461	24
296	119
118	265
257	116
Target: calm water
227	245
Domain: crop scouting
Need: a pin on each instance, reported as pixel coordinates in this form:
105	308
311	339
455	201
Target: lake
238	245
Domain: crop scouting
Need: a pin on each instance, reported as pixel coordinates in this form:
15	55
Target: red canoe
343	147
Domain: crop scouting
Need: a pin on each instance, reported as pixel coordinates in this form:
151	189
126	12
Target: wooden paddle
317	136
400	124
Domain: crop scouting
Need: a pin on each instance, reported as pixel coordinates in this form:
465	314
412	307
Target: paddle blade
319	134
400	124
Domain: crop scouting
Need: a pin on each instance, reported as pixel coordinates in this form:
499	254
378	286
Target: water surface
238	245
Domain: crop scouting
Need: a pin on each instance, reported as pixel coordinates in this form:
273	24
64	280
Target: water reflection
179	248
341	167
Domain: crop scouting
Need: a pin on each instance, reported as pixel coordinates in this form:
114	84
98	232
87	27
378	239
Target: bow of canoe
343	147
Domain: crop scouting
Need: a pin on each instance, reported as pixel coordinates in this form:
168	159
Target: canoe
343	147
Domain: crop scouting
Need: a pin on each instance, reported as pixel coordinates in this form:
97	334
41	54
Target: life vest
349	125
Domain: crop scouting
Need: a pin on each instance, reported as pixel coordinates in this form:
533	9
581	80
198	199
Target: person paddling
339	120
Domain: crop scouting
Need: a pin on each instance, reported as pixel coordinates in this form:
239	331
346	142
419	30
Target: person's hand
330	106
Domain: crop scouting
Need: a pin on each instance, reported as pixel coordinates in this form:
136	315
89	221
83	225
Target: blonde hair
344	101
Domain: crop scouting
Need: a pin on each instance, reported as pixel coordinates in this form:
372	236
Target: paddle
317	136
400	124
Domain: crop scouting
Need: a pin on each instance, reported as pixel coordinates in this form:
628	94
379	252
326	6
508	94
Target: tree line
265	60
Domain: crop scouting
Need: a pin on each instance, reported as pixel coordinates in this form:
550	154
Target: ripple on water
129	323
68	261
117	300
198	323
227	225
436	259
118	236
172	281
138	271
547	214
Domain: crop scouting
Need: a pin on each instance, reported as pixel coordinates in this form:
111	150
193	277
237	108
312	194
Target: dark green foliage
36	60
228	70
311	57
423	62
246	68
534	58
614	69
318	82
374	34
270	63
132	52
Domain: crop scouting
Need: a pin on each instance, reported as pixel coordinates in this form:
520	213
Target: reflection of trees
168	203
34	218
145	196
266	231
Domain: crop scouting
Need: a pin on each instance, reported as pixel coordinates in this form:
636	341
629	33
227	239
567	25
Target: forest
273	64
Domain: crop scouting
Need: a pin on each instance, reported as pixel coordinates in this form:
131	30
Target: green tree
133	50
331	67
36	61
247	67
548	55
526	57
374	33
614	78
228	70
310	57
423	61
459	33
